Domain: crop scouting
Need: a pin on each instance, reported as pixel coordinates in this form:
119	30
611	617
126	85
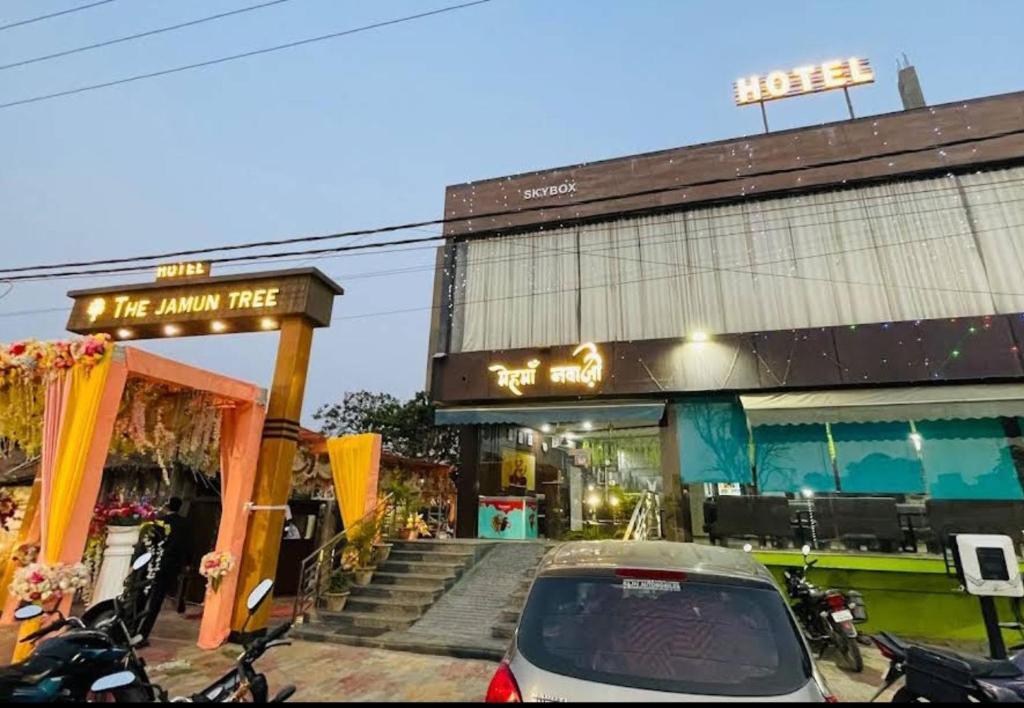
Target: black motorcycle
828	617
243	684
64	667
936	675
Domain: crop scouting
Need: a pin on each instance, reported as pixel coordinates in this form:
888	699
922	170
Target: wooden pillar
274	471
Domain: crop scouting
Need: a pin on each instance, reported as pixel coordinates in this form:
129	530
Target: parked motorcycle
243	684
64	667
940	675
828	616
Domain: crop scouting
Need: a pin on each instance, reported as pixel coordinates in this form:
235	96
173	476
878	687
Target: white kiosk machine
987	566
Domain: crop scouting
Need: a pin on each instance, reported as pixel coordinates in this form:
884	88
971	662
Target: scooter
64	667
940	675
243	684
828	616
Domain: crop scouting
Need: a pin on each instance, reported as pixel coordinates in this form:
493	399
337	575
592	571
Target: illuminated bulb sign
180	271
247	302
585	372
813	78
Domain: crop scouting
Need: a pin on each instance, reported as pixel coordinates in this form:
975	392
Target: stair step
503	630
428	545
422	568
432	556
507	615
385	606
410	593
366	620
385	577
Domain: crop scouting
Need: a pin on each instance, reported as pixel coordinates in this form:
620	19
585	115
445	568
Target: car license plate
842	616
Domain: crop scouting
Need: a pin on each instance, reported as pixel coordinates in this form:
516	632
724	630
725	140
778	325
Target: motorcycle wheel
904	695
128	694
849	653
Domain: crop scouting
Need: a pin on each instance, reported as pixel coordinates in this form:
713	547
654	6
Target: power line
243	55
685	270
140	35
855	198
897	200
40	18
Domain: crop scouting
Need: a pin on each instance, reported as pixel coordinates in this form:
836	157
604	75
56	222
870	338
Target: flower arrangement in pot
338	590
47	584
414	527
358	554
119	512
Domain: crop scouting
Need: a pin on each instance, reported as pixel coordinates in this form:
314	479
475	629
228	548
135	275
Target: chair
949	516
764	518
872	520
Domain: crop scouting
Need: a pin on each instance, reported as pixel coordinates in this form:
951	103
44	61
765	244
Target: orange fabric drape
355	465
241	431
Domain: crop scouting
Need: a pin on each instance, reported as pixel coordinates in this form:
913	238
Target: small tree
407	428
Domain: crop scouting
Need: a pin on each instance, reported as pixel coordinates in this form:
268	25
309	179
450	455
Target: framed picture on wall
510	435
521	437
529	439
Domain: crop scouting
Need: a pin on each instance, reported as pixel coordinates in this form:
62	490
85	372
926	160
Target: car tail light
836	601
829	698
503	688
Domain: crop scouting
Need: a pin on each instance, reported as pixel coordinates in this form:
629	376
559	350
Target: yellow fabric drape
62	489
355	460
76	435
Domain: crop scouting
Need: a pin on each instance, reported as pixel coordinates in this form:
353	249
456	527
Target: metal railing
645	523
316	568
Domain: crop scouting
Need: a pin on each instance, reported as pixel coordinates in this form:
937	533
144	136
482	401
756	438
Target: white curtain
923	249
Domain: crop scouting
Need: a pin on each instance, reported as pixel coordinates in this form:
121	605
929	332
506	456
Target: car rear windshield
686	636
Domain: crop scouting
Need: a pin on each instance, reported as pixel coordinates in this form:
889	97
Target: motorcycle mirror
806	550
259	594
27	612
112	681
142	561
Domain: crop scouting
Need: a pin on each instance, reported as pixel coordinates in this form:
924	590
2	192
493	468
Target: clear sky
367	130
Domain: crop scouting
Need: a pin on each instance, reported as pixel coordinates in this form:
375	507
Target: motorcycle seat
979	667
29	672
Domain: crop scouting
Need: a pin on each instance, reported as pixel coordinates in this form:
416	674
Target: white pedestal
117	562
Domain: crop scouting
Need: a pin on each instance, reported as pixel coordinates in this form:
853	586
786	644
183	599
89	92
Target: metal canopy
534	416
882	405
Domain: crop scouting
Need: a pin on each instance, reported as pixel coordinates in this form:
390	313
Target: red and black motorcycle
828	617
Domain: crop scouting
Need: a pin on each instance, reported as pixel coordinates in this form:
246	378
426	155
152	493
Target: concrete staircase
508	618
405	586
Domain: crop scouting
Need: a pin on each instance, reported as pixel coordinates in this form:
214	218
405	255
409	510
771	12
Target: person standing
175	559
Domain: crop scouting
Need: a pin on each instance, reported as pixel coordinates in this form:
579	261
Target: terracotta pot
408	534
335	601
362	576
381	551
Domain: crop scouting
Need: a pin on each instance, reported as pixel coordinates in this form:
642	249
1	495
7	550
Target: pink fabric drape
241	430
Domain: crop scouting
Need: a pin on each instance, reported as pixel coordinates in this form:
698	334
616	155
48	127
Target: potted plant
337	590
381	548
414	527
359	553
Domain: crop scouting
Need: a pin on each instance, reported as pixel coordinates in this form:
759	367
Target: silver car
655	621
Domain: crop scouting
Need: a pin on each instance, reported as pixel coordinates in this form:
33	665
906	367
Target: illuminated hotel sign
180	271
586	372
828	76
227	304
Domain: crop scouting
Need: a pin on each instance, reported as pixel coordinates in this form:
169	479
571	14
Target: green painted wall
910	597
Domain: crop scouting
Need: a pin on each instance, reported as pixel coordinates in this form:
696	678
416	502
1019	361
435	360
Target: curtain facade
921	249
355	464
